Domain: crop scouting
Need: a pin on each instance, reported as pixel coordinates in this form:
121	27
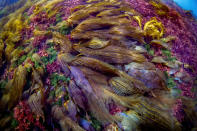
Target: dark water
10	6
4	3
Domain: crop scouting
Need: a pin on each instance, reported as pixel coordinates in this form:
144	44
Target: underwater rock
148	74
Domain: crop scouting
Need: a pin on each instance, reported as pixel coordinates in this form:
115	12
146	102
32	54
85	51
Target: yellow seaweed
154	29
139	20
15	87
96	43
8	50
12	35
14	55
47	7
160	8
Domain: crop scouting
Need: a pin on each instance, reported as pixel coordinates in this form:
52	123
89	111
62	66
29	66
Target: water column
188	5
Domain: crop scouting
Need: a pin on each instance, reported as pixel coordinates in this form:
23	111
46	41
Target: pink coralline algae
8	74
42	21
53	67
41	18
39	41
25	117
68	5
186	90
43	53
142	7
114	109
178	110
27	32
48	81
162	67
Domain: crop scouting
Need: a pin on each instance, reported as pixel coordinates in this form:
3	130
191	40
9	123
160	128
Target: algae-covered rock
97	65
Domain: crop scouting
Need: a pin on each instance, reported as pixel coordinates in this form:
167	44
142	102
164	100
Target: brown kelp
112	54
15	88
94	65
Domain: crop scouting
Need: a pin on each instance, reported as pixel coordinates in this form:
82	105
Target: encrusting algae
94	65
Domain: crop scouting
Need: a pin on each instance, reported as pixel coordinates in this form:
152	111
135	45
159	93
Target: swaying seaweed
112	65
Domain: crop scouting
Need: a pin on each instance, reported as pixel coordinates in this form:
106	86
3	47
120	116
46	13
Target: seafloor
112	65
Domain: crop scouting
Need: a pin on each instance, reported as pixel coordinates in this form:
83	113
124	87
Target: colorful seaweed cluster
98	65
